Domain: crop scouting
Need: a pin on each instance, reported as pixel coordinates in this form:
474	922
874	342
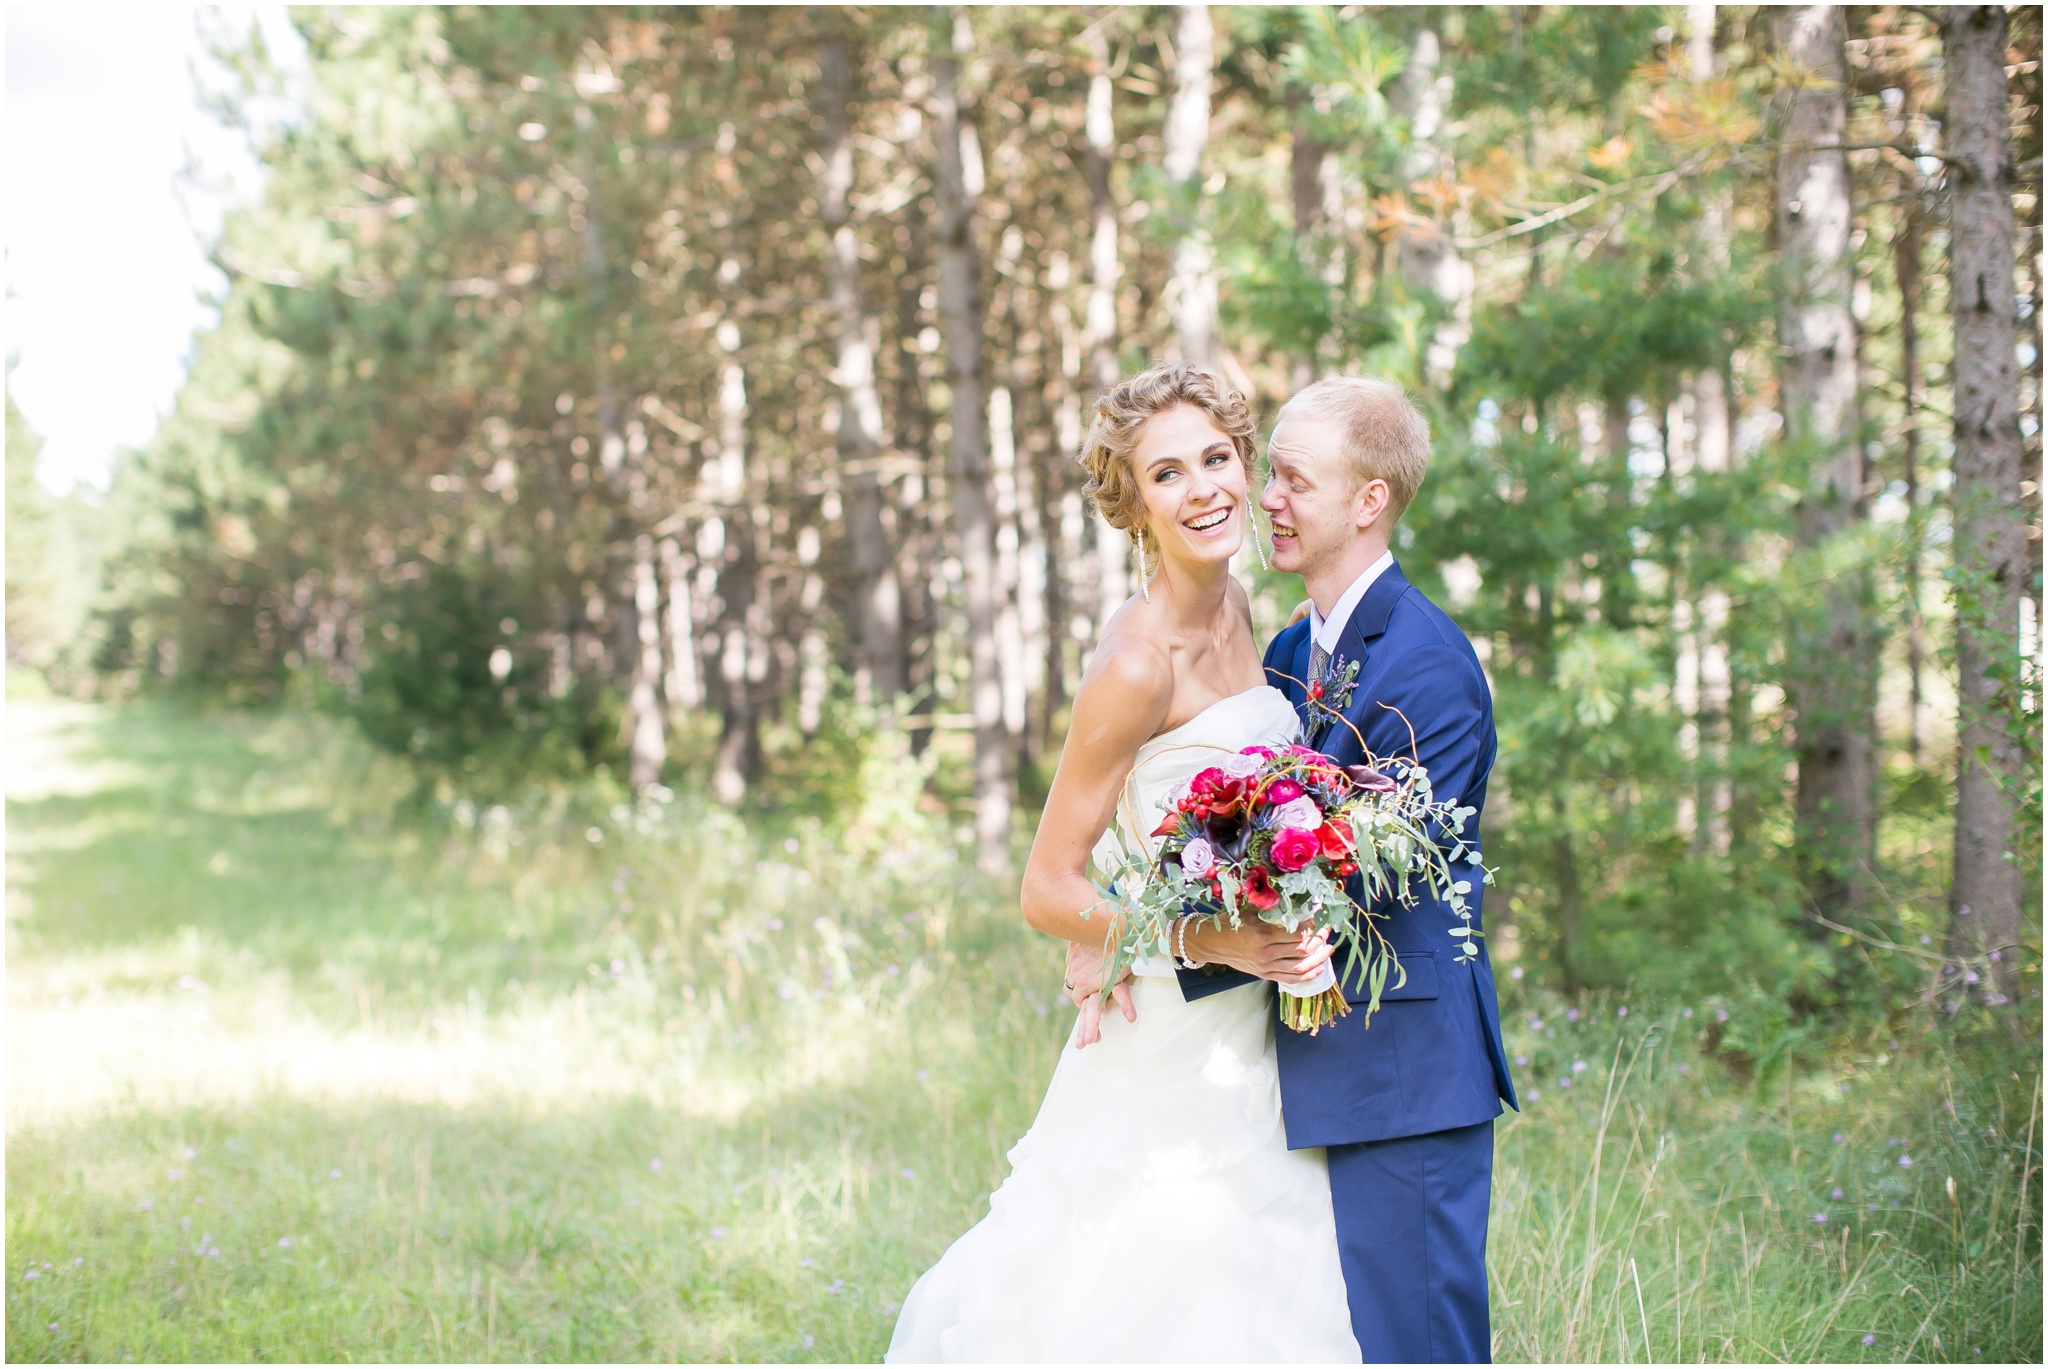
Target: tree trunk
1990	527
650	744
645	725
1430	261
1906	266
681	685
1104	268
1834	652
1713	446
957	182
1310	166
1059	502
1186	136
876	619
1010	586
915	495
739	745
1564	865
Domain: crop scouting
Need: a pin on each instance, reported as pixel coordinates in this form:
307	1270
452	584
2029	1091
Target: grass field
298	1069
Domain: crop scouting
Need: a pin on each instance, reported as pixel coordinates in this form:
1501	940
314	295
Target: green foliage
432	688
53	554
476	366
1612	328
1570	59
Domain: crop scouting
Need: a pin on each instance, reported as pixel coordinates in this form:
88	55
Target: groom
1406	1108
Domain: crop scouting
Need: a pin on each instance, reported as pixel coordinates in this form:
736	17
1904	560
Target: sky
115	182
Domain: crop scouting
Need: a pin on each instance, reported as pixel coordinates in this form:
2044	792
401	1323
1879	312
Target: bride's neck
1195	592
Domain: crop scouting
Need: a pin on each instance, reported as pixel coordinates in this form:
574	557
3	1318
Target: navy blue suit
1407	1107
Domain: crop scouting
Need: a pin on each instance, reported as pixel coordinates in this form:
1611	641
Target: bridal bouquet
1274	834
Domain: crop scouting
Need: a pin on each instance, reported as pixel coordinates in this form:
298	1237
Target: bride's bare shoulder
1130	670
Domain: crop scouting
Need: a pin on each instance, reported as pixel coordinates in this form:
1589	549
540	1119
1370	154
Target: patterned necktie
1318	660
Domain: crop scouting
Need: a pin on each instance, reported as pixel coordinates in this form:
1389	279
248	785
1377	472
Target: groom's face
1312	495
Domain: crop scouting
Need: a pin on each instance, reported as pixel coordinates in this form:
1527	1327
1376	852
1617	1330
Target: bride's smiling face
1193	485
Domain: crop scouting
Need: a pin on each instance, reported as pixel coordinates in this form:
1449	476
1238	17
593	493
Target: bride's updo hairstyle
1120	417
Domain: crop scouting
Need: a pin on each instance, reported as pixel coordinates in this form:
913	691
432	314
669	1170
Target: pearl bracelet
1181	931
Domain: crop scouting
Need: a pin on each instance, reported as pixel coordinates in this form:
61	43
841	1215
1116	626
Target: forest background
655	428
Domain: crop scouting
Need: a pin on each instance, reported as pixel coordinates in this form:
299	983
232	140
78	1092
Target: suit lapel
1368	624
1297	688
1369	621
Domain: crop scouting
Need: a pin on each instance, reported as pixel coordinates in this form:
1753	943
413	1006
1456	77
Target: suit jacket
1432	1058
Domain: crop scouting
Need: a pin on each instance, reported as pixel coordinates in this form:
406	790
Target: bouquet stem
1315	1012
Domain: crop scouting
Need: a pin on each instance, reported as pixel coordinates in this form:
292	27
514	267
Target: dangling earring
1144	580
1258	542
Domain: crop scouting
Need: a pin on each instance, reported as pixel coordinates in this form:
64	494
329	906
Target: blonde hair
1385	435
1120	417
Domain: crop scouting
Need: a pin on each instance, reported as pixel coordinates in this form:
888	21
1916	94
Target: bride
1153	1211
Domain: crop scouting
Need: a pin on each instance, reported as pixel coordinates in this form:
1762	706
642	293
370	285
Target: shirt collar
1327	632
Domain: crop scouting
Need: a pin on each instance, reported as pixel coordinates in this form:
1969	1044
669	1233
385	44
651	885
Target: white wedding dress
1153	1212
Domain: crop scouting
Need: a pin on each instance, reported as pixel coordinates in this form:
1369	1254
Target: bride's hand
1084	989
1261	949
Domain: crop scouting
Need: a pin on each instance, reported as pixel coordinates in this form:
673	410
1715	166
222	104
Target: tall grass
1662	1208
299	1070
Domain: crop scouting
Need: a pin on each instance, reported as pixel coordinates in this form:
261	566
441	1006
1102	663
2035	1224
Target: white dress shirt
1327	632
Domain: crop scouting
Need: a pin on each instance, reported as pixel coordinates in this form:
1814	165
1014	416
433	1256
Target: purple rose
1301	812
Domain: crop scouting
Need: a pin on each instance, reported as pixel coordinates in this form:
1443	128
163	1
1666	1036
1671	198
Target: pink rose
1294	848
1280	793
1198	858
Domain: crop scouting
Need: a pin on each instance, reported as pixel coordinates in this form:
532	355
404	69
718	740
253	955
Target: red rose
1337	839
1258	889
1294	848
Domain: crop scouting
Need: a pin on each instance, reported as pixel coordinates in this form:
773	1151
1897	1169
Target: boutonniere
1329	697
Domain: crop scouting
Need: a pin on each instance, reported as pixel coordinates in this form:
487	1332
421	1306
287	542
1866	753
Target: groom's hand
1261	949
1084	989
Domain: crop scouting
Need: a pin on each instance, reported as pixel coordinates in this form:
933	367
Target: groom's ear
1375	497
1300	612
